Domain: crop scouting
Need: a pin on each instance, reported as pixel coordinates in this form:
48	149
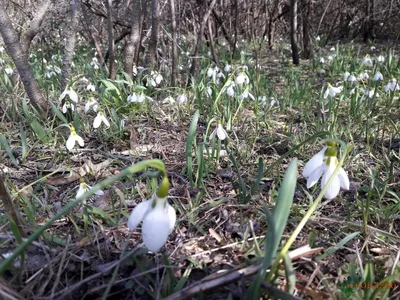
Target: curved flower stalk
324	164
158	218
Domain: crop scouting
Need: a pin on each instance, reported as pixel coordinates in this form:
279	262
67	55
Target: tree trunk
369	20
307	44
152	58
198	41
70	44
19	55
174	71
134	39
293	31
111	46
212	45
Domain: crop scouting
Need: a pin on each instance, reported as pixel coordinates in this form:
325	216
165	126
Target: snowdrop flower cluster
220	132
90	87
349	77
83	188
242	78
363	76
95	63
73	138
155	79
136	98
212	71
158	218
332	91
324	164
246	94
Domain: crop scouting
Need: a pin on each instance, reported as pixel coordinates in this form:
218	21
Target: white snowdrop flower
211	72
169	100
242	78
262	99
332	91
9	71
136	98
378	76
330	58
91	103
372	48
392	86
227	68
32	55
83	188
371	93
91	87
57	69
352	78
70	93
346	75
324	164
332	49
367	61
317	38
220	75
181	98
67	105
273	102
134	71
220	132
321	71
73	138
381	59
94	63
50	74
159	219
209	92
321	60
1	49
157	78
230	91
100	118
246	94
363	76
44	60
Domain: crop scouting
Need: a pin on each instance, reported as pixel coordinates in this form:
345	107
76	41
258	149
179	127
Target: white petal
155	229
80	191
171	217
73	96
138	214
221	133
87	106
97	121
105	121
315	175
344	179
334	188
212	135
70	142
79	140
64	108
62	96
314	162
326	93
99	193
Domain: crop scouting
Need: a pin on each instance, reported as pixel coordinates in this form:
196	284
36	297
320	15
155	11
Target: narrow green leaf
23	142
333	249
58	113
289	273
189	142
38	129
4	144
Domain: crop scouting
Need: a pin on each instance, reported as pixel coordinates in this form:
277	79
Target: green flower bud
163	188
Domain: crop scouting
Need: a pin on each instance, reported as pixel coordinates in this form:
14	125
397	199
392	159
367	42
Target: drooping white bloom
381	59
67	105
156	78
392	86
83	188
363	76
74	137
100	118
246	94
378	76
70	93
211	72
209	92
372	48
50	74
317	39
324	164
227	68
91	103
346	75
371	93
9	71
321	60
242	78
330	58
332	49
181	98
91	87
367	61
136	98
332	91
94	63
1	49
158	218
220	132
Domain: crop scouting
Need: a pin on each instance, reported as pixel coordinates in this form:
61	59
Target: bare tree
199	38
70	43
293	32
19	51
133	44
174	71
307	44
155	20
111	46
369	20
